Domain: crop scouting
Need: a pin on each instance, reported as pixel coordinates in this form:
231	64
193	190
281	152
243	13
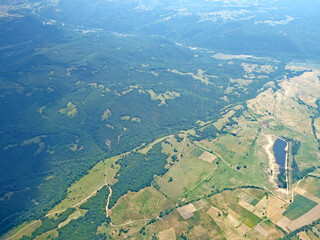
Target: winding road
107	206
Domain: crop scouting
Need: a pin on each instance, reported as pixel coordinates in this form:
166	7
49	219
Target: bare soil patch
244	228
305	219
207	157
233	217
187	211
261	230
284	222
214	212
246	205
303	236
168	234
275	208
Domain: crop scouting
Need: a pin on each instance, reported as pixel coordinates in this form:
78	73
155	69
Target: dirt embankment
274	168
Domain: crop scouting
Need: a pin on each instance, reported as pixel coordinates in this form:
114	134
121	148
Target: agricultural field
158	119
145	204
300	206
213	187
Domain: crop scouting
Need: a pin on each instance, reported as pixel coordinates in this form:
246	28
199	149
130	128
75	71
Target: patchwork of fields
157	119
214	187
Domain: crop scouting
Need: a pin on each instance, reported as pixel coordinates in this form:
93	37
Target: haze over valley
158	119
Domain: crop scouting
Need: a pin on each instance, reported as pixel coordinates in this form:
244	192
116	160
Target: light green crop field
312	185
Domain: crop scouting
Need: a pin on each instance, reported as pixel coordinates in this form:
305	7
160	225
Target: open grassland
48	235
184	177
186	172
146	149
168	234
247	166
75	215
196	152
307	155
145	204
234	148
311	185
70	110
223	120
222	177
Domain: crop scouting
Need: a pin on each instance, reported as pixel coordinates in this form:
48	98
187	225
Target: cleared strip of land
306	219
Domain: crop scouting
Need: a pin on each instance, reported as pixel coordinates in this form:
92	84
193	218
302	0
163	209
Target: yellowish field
48	235
208	157
145	204
275	208
187	211
310	185
167	234
303	236
261	230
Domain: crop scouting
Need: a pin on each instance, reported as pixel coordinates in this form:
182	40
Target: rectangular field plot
312	185
251	220
306	219
245	197
187	211
300	206
196	152
254	202
168	234
207	157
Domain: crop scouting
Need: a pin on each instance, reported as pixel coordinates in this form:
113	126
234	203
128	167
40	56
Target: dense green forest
49	224
137	171
86	227
83	81
56	166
